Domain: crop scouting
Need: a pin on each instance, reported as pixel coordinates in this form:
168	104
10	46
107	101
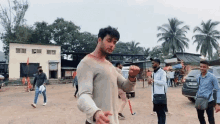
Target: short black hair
39	67
113	32
204	62
117	64
155	60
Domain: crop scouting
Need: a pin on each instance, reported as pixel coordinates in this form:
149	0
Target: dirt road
62	108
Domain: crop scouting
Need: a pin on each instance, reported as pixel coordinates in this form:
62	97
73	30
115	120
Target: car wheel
191	99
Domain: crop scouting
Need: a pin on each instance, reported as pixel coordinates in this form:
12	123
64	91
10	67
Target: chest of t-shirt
106	76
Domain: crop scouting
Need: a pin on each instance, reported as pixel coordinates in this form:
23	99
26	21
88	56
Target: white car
2	77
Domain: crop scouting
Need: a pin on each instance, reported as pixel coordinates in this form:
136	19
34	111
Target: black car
190	87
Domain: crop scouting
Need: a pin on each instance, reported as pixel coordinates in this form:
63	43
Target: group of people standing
207	82
172	76
100	83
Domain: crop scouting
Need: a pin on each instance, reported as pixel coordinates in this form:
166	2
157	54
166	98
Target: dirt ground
15	107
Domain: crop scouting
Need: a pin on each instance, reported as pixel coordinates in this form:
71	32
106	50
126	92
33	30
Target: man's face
154	64
108	44
40	70
120	66
203	68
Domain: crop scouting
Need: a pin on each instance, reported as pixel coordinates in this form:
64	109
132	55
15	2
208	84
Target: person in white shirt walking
159	88
171	75
168	78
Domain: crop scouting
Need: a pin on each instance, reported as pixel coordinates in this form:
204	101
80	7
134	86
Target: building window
20	50
53	52
17	50
36	51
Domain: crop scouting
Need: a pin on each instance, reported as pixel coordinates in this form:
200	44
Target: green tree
86	42
65	33
24	33
215	56
42	33
121	48
157	53
173	36
146	52
206	38
134	48
12	20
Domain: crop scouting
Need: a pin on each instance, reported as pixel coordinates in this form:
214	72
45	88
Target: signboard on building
171	60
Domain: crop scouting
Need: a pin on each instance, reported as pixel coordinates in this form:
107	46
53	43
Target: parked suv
190	87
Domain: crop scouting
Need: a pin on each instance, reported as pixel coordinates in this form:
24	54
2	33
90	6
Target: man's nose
112	45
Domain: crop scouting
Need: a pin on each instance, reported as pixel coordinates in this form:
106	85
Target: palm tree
121	48
133	48
146	51
207	38
215	56
173	37
157	52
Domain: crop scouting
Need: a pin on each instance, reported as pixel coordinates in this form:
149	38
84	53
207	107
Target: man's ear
99	39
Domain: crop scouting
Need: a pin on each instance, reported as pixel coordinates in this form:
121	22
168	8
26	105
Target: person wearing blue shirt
207	83
75	81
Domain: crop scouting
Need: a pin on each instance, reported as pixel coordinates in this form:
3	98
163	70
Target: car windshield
193	73
218	71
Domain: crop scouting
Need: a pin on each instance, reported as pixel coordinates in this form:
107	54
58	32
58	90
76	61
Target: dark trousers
210	114
76	90
171	81
160	110
166	109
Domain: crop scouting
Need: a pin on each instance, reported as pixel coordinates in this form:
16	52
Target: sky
136	20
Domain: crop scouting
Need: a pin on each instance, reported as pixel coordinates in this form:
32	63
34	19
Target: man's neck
155	70
204	74
98	54
157	67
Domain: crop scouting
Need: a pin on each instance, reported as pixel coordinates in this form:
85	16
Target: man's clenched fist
102	117
134	70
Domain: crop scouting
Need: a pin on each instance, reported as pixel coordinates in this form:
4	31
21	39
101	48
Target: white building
47	56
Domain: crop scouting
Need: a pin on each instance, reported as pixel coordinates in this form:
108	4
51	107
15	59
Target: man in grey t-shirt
99	81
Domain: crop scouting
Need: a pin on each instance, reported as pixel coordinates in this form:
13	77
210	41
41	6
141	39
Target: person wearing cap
207	83
159	85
